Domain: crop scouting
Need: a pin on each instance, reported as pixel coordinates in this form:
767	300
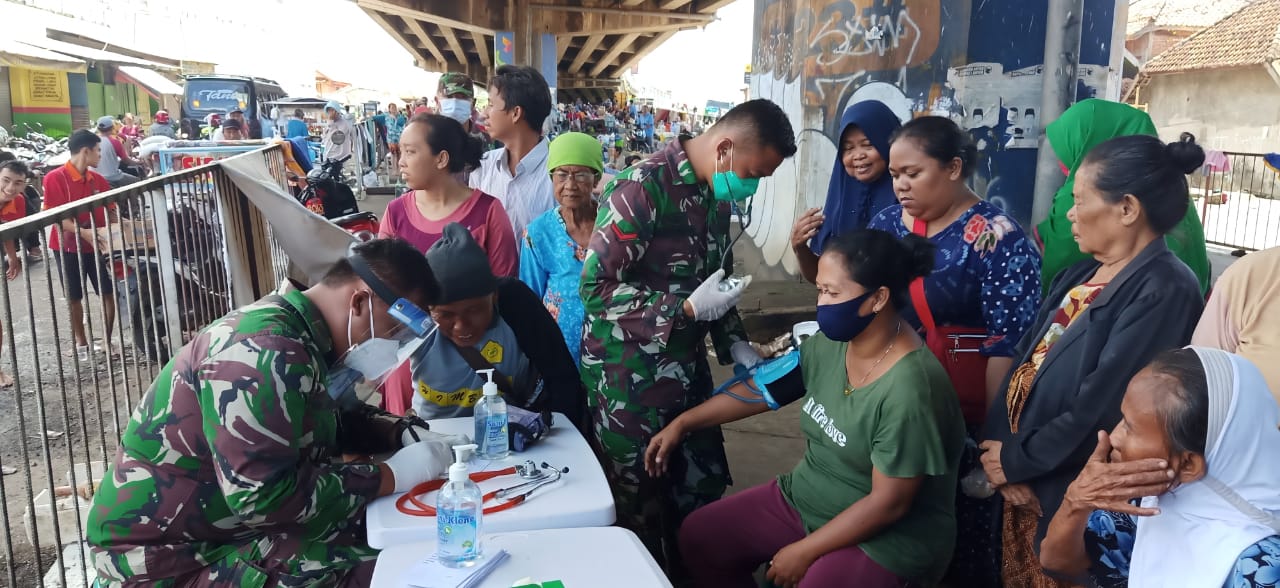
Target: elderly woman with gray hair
1198	445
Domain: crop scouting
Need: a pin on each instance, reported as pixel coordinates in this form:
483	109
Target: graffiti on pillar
993	98
978	62
504	48
816	57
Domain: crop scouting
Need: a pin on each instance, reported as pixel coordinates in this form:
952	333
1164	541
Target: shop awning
95	55
20	55
153	83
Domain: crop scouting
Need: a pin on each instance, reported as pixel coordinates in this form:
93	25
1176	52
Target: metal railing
1239	202
178	251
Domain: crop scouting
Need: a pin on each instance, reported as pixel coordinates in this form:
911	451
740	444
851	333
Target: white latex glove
745	355
709	303
415	434
419	462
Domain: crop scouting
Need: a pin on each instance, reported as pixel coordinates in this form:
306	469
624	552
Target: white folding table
580	499
583	557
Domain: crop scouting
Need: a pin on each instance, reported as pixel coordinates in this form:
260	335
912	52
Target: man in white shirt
516	174
340	135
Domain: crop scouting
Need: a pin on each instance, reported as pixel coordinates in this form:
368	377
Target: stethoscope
744	221
534	477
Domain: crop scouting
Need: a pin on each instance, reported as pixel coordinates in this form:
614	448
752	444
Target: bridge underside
595	40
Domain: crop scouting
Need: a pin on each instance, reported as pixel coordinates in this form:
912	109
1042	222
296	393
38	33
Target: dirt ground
81	405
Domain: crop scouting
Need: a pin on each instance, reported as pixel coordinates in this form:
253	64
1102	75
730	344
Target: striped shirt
526	195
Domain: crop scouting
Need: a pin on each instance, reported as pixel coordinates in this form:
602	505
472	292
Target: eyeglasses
561	177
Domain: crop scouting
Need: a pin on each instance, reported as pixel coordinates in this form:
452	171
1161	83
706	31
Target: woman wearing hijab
860	184
1082	127
1198	445
555	243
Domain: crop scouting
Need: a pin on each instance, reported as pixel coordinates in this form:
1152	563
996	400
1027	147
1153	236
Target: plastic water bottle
491	422
459	508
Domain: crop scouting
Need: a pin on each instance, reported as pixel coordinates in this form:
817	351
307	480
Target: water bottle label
457	532
496	434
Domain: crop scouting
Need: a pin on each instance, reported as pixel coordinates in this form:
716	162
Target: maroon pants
725	542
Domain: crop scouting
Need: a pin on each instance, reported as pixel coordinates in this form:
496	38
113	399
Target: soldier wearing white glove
419	462
708	302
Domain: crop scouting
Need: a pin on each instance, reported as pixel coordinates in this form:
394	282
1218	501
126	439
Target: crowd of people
983	405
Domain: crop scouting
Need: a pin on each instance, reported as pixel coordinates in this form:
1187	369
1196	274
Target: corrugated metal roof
19	55
1247	37
1194	14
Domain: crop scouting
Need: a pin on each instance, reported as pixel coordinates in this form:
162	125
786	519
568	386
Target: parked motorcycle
364	225
327	193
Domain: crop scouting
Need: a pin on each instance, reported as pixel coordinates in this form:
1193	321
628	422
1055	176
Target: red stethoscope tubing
410	505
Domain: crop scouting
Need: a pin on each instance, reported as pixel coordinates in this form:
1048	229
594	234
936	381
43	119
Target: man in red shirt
13	207
71	241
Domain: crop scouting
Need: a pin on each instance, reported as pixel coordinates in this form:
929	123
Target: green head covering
1082	127
575	149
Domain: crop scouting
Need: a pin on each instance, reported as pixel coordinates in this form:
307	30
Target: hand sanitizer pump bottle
491	421
459	508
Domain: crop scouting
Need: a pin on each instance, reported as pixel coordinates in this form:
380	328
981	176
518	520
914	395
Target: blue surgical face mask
458	109
841	321
726	185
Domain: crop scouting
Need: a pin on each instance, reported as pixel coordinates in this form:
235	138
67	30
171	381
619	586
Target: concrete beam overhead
451	37
436	16
623	44
483	48
622	30
644	49
416	28
584	53
418	55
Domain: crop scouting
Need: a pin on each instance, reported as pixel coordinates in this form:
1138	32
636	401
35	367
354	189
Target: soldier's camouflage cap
457	83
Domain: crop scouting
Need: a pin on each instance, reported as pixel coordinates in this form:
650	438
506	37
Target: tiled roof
1247	37
1194	14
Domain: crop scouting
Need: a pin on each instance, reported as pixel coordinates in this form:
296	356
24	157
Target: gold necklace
849	389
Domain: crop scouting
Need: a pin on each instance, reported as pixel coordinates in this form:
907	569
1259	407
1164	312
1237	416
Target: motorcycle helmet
162	117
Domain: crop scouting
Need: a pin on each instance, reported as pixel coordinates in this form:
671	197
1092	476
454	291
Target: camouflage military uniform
226	473
659	235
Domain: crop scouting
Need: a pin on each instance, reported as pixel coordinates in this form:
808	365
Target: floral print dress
1109	542
986	275
551	265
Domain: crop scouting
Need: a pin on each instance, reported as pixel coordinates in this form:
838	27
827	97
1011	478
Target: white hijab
1203	526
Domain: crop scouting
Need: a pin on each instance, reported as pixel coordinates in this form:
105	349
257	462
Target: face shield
364	366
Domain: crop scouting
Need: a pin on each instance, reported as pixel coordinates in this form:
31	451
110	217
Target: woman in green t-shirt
872	502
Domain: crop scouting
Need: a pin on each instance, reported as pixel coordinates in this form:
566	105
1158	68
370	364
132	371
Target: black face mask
841	321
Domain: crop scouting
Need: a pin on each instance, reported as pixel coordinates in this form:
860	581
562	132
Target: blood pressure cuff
777	382
370	430
525	427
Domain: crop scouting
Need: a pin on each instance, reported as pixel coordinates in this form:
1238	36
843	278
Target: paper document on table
430	573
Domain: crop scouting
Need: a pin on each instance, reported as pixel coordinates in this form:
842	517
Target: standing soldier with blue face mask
231	471
652	290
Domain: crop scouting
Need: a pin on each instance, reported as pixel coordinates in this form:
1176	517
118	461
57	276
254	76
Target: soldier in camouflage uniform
229	472
650	290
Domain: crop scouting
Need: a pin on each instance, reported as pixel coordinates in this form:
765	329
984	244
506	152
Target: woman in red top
434	150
